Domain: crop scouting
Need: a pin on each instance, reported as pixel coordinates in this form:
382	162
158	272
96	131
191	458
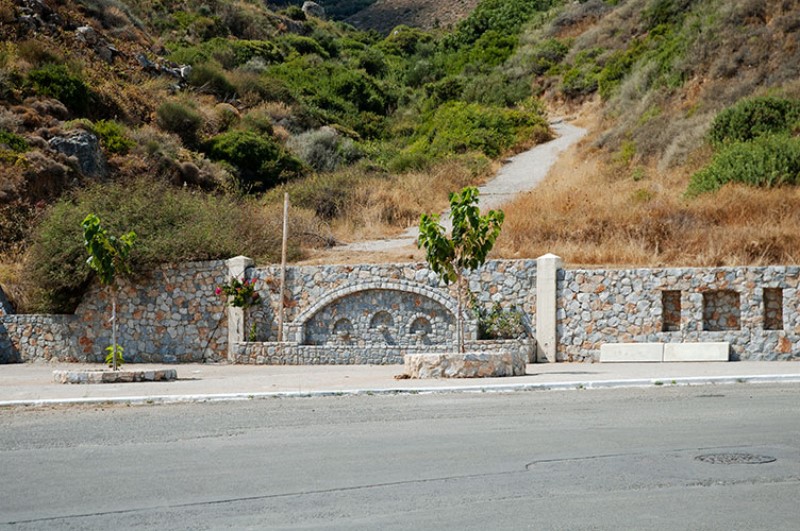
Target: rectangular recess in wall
670	311
721	310
773	309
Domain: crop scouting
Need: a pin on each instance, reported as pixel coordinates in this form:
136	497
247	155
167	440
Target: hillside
384	15
186	121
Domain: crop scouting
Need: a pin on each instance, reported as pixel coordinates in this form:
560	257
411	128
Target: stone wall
173	315
37	338
378	313
509	283
681	306
295	354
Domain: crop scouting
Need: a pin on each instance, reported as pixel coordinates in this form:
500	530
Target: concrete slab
719	351
631	352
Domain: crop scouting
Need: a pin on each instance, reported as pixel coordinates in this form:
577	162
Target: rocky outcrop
313	9
85	147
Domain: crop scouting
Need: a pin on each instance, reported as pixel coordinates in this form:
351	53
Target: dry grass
593	213
381	207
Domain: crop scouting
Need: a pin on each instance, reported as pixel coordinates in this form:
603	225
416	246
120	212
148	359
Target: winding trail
522	173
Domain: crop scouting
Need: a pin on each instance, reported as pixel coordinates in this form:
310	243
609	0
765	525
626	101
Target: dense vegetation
239	100
228	104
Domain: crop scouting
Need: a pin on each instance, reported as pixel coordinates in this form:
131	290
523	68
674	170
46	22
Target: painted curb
502	388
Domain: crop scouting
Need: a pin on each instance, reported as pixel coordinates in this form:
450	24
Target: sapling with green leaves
108	257
471	239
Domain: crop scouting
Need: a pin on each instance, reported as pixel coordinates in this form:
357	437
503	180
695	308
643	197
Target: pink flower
218	291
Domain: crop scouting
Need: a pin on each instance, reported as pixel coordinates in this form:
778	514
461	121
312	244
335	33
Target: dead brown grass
593	213
385	206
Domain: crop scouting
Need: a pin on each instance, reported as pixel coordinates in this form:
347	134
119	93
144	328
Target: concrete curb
509	388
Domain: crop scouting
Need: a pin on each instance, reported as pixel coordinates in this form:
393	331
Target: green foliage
181	119
211	79
114	356
751	118
404	41
240	293
112	136
617	67
304	45
56	81
471	238
546	55
172	225
499	323
581	79
502	16
458	127
13	142
767	161
108	254
665	12
261	163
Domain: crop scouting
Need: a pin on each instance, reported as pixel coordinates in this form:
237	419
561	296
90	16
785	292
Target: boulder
467	365
313	9
85	147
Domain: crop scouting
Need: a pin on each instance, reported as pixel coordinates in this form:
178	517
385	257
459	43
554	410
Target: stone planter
96	376
467	365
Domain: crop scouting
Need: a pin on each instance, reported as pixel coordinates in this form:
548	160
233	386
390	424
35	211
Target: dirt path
522	173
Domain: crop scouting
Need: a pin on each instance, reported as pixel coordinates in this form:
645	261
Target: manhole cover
735	459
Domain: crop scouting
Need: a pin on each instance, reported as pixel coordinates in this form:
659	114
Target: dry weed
589	215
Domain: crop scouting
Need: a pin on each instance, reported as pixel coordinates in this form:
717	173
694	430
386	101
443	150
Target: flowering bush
240	294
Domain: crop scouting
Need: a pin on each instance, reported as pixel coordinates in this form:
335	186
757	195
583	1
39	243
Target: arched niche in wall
375	308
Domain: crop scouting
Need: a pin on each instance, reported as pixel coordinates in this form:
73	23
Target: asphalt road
591	459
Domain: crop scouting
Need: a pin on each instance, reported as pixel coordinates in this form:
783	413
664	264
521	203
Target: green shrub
112	136
581	78
304	45
13	142
545	55
324	149
459	127
172	225
503	16
326	195
181	119
56	81
767	161
294	13
211	79
499	323
260	162
751	118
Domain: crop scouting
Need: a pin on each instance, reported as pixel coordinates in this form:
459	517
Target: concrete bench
664	352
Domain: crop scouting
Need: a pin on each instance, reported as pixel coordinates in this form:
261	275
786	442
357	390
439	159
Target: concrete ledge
631	352
468	365
697	351
108	376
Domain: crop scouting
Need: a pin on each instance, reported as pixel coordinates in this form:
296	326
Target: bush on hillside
211	79
260	162
324	149
767	161
459	127
172	225
754	117
113	137
56	81
181	119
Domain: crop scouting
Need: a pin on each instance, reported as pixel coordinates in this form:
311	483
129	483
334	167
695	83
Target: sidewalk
32	383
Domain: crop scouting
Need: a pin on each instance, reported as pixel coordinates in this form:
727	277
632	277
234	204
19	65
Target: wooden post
283	264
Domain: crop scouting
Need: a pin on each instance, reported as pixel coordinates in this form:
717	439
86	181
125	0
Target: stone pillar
236	269
547	267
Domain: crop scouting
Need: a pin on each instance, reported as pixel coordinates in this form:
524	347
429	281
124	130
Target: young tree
471	239
108	257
